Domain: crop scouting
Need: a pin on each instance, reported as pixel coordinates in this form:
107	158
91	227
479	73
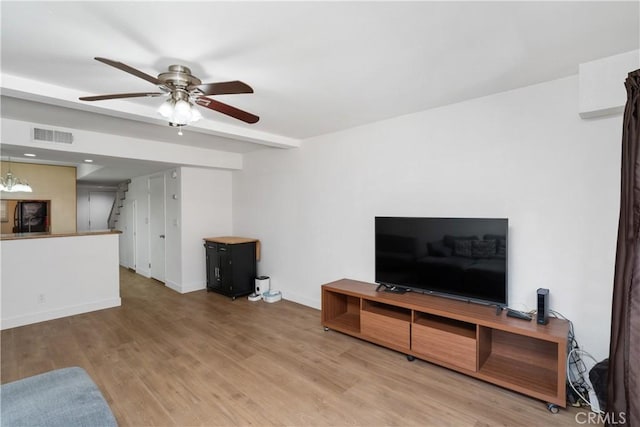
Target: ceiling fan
183	91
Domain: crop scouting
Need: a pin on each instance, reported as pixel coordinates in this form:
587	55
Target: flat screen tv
463	258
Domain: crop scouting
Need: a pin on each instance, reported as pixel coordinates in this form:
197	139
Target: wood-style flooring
202	359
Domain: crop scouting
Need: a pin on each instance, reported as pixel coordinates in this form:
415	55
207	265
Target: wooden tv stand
470	338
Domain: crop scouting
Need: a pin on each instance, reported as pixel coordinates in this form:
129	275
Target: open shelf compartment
387	310
519	362
445	324
341	312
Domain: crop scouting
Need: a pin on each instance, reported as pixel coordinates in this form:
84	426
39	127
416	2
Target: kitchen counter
47	276
19	236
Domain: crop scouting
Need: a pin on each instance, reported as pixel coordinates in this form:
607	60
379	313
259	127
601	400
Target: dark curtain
623	388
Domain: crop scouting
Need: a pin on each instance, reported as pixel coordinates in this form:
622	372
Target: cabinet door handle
162	236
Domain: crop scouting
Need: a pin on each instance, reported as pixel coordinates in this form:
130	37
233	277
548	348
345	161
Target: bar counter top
46	235
234	240
47	276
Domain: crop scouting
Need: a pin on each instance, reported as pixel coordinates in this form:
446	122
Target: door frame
132	221
164	227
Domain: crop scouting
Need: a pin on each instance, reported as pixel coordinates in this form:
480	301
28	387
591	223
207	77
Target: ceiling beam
33	90
16	133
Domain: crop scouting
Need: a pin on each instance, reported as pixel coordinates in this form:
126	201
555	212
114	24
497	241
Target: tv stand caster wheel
233	298
553	408
410	358
326	329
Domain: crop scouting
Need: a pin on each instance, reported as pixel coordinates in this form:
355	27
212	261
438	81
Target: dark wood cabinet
231	265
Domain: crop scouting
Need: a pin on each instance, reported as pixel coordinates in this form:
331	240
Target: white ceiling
316	67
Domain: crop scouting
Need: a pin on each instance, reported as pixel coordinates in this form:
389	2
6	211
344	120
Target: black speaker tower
542	316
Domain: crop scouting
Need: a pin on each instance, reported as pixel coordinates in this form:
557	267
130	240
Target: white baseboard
183	289
173	285
42	316
192	287
301	300
144	272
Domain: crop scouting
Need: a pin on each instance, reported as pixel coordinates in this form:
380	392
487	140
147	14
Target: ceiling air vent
50	135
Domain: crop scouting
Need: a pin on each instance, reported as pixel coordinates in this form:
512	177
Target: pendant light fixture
12	184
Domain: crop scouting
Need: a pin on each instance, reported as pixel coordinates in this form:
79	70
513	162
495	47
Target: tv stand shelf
470	338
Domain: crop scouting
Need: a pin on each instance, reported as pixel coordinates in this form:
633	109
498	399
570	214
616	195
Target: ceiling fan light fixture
184	90
166	108
177	125
181	112
195	114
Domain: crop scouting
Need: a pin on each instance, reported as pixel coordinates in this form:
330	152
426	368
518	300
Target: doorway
100	204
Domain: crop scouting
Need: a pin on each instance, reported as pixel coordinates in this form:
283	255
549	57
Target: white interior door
100	203
157	227
129	234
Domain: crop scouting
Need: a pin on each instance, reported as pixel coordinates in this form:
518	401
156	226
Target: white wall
201	208
74	274
523	154
206	212
173	229
602	91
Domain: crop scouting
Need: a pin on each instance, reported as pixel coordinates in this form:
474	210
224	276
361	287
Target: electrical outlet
40	298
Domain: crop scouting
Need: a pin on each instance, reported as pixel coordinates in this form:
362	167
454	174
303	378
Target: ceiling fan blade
226	109
225	88
120	95
130	70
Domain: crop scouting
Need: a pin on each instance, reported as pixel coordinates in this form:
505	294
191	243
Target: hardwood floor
201	359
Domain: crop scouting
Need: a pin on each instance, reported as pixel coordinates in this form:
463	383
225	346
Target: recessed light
29	154
88	160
